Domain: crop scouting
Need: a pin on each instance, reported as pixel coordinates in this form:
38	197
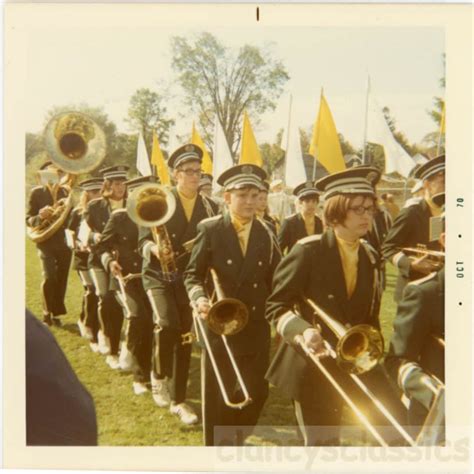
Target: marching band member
97	214
339	272
205	185
411	227
416	354
303	223
88	322
242	252
262	209
169	301
55	255
118	250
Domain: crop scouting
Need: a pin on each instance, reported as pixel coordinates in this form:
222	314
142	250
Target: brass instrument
75	144
435	257
358	350
152	205
226	317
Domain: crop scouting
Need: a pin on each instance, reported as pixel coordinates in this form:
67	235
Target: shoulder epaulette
121	209
37	187
429	277
371	252
412	202
309	239
94	200
211	219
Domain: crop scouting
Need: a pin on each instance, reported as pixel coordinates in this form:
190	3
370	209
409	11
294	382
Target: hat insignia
372	176
246	169
189	148
308	185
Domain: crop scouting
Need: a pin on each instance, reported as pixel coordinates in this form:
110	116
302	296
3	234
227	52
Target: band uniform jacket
313	269
97	214
40	197
380	227
293	229
418	325
410	228
247	279
120	242
80	258
180	231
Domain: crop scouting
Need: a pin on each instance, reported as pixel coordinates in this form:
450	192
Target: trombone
152	205
226	317
358	350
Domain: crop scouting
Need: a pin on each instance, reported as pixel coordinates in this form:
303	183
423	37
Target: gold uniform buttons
229	262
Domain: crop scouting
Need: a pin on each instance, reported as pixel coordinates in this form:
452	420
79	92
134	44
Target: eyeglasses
190	172
360	210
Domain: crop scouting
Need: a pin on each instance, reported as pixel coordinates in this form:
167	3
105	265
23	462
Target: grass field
125	419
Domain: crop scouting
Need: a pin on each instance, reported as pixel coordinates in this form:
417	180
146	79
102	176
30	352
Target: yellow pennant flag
442	125
196	139
325	145
249	151
158	160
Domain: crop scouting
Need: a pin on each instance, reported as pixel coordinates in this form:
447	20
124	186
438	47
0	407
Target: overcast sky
105	66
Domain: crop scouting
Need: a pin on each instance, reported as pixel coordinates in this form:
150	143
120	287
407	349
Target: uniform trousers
172	317
90	301
223	425
55	263
139	332
109	309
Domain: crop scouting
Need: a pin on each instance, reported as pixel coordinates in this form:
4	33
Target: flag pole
315	154
364	143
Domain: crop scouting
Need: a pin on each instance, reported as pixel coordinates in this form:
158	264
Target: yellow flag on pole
196	139
249	151
158	160
325	145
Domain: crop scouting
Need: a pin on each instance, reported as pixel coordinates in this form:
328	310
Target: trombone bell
227	317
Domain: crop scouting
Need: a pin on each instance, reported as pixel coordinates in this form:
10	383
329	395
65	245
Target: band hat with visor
189	152
137	182
206	180
306	190
431	167
358	180
242	176
438	223
117	172
91	184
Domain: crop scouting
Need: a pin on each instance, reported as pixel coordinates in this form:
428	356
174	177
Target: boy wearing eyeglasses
171	310
340	273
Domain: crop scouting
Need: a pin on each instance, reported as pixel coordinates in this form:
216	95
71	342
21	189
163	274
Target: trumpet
152	205
226	317
75	144
358	350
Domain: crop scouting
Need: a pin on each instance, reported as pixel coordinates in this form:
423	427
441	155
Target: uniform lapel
300	227
231	241
359	302
251	256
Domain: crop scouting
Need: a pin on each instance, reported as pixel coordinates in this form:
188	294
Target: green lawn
128	420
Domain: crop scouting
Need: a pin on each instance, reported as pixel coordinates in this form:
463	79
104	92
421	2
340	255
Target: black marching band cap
206	180
189	152
357	180
265	186
116	172
136	182
242	176
91	184
305	190
46	164
431	167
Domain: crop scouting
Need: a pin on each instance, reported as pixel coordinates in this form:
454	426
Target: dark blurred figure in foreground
59	410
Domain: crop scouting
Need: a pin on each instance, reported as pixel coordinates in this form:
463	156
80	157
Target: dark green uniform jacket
180	231
411	227
247	279
313	269
418	324
293	229
40	197
80	258
97	214
120	242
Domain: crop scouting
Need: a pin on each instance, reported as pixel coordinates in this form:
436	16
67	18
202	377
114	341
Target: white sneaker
160	392
139	388
112	361
81	327
185	412
104	343
127	359
94	347
88	334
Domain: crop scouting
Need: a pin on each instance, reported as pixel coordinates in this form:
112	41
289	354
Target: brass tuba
75	144
152	205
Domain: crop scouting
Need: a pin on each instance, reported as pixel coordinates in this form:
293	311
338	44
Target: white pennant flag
378	131
222	158
295	172
143	163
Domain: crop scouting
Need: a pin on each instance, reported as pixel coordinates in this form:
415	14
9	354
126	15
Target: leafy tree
272	154
223	82
147	114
